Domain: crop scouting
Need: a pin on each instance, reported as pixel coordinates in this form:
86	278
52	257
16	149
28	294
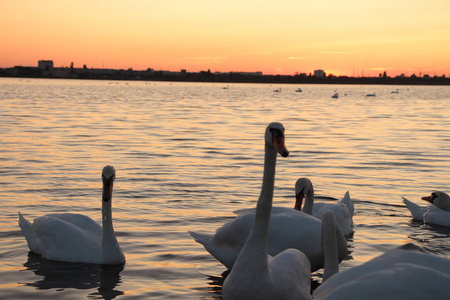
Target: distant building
45	64
319	73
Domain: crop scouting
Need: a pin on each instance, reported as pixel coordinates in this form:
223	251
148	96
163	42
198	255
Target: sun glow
282	37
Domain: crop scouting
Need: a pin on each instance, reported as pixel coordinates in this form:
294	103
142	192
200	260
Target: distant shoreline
207	76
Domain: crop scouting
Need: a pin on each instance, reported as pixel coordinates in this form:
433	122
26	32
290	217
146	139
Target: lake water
188	154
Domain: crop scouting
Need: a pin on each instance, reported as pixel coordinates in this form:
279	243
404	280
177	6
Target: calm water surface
188	154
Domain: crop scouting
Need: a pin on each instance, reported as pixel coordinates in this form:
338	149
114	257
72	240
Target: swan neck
264	205
330	244
108	229
110	245
309	201
255	248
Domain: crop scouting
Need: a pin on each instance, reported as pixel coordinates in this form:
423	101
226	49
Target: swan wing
83	222
417	211
343	216
33	241
225	254
404	254
244	211
288	229
400	281
228	240
62	240
435	215
349	203
297	230
290	272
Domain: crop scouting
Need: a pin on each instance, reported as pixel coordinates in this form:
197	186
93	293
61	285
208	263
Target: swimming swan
437	212
287	229
256	275
402	273
74	237
343	209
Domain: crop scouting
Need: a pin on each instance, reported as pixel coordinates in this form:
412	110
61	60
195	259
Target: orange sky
276	37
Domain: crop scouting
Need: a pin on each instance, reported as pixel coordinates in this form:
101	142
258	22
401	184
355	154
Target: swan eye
278	131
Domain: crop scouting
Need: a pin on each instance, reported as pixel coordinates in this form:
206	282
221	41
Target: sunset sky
276	37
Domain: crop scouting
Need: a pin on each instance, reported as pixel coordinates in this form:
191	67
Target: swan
288	228
284	276
335	95
74	237
402	273
256	275
343	209
437	212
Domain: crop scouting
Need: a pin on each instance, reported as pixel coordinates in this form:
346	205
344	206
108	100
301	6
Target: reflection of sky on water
187	155
62	275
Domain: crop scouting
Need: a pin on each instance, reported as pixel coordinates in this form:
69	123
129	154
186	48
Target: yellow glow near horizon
275	37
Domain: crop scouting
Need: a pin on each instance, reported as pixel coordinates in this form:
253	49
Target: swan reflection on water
83	276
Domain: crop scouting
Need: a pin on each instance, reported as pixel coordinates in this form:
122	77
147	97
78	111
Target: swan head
108	176
303	187
440	199
275	137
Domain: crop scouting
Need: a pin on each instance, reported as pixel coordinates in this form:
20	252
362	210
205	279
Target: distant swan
256	275
288	228
74	237
437	212
371	95
402	273
343	209
335	95
277	90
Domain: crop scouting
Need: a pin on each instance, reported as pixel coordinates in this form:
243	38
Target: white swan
437	212
75	237
255	275
402	273
288	228
343	209
439	199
